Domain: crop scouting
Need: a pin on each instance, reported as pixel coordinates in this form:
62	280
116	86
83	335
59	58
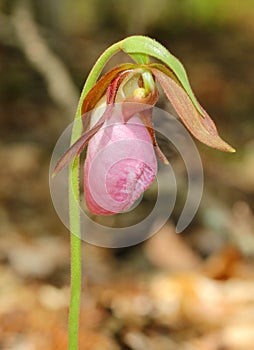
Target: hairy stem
74	195
74	210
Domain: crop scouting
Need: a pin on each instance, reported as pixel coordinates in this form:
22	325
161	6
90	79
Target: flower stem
74	195
75	292
74	210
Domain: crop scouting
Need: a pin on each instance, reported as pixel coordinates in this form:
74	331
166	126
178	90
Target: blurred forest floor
193	291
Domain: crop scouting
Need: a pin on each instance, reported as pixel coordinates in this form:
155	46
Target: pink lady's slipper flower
120	165
117	128
121	161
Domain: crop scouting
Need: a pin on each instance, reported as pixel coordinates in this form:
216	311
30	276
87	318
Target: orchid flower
134	86
112	184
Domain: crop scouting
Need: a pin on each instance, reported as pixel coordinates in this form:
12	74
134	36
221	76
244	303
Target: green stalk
74	199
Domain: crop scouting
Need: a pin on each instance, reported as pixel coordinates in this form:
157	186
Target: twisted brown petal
203	128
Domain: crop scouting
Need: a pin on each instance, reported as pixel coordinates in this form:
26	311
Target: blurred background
193	291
